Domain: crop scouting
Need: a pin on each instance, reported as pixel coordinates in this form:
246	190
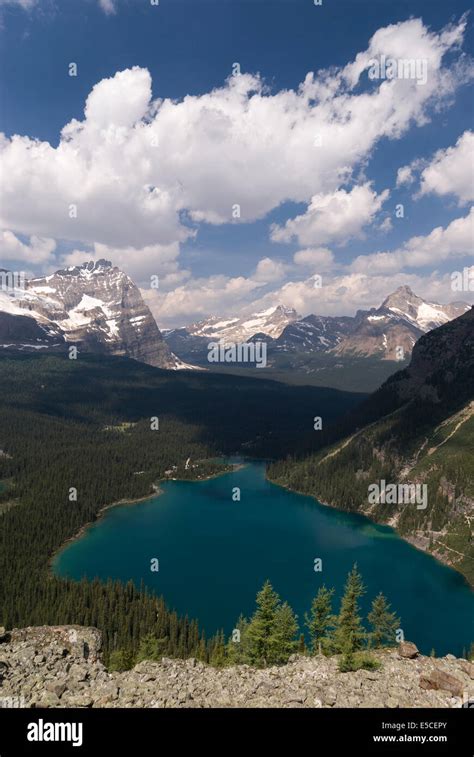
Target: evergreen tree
261	626
120	659
302	645
320	621
237	651
348	659
151	648
283	637
217	653
383	622
350	633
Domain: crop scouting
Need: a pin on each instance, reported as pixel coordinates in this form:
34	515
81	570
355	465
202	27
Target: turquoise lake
214	555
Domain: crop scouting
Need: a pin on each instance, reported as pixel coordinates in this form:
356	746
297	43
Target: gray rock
439	679
407	650
52	667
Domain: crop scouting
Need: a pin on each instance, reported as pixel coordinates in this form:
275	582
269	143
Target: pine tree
350	633
261	626
237	646
120	659
348	660
217	653
320	621
283	641
302	645
383	622
151	648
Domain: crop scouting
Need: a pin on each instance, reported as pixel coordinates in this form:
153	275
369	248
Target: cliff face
95	305
61	667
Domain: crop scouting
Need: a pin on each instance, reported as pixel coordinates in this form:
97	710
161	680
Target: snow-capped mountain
94	305
398	323
191	342
387	332
315	333
426	315
270	322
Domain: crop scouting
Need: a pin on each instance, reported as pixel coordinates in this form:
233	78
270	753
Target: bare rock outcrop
61	667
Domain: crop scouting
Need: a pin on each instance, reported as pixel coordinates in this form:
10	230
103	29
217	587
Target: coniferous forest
86	425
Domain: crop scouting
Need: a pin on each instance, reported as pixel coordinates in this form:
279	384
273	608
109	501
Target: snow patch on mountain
95	305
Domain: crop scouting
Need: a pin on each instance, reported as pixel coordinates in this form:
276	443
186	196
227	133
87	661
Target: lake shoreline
129	502
410	539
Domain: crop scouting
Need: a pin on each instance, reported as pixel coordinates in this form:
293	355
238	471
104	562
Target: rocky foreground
61	666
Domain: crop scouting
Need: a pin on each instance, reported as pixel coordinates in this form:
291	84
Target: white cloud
363	284
141	264
269	270
334	217
200	297
108	6
454	241
320	258
345	294
38	250
405	175
138	170
25	4
451	171
119	101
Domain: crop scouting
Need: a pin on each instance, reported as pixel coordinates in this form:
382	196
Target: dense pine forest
419	427
77	435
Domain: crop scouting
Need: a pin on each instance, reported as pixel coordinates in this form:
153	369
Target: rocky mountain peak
87	268
94	305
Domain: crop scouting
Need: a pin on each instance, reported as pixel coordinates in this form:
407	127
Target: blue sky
213	154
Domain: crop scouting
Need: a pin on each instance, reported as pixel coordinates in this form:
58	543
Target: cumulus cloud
141	264
270	270
362	284
37	250
451	171
448	172
320	258
454	241
346	293
200	297
334	217
143	171
405	175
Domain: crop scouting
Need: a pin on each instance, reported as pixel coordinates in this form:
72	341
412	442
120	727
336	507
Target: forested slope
418	429
86	424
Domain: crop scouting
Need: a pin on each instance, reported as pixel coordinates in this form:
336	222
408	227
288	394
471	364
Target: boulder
408	650
467	667
78	641
439	679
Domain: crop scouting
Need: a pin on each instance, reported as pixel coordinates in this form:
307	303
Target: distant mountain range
416	430
94	305
99	308
387	332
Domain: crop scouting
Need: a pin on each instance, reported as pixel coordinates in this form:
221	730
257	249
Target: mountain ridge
416	430
387	332
95	306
